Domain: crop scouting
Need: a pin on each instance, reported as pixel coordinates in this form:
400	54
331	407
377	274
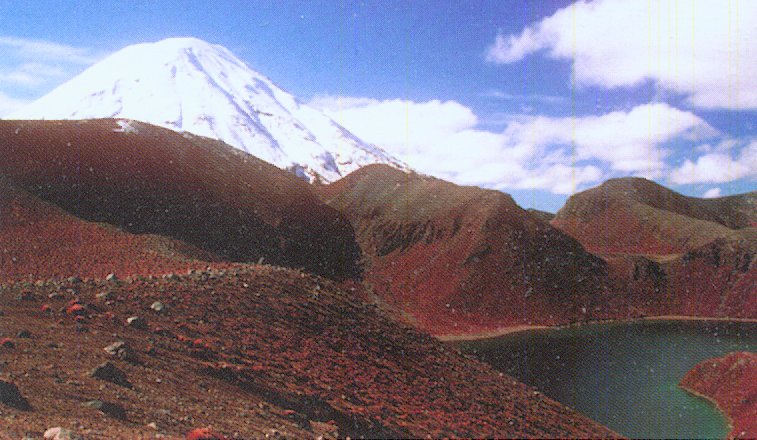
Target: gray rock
105	295
110	409
122	351
136	322
59	433
109	372
11	396
159	307
56	296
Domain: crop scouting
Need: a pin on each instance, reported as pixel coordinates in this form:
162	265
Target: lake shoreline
711	400
493	334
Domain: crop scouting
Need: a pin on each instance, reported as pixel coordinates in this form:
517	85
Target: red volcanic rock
637	216
463	259
731	382
204	434
149	180
76	310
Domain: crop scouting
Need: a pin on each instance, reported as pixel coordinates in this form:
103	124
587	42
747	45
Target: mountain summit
189	85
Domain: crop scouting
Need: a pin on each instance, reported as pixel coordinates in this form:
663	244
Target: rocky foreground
731	383
250	352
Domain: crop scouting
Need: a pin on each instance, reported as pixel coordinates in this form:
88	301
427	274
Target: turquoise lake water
624	375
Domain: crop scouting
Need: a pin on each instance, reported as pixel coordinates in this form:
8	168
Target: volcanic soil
668	254
731	383
149	180
459	260
253	352
637	216
41	240
463	261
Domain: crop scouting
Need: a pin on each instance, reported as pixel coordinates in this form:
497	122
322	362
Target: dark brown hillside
254	352
38	239
667	253
542	215
146	179
637	216
718	279
463	259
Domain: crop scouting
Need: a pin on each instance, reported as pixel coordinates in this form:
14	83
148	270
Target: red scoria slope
40	240
463	259
669	254
637	216
731	382
146	179
252	352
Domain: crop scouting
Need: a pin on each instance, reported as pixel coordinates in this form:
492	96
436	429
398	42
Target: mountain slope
637	216
150	180
462	259
255	352
186	84
40	240
668	253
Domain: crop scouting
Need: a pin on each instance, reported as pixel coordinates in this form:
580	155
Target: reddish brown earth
637	216
462	259
731	382
250	352
40	240
668	254
150	180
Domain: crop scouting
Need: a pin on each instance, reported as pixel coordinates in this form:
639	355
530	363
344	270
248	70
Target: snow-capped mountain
186	84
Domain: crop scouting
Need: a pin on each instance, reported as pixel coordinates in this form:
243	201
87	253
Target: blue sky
536	98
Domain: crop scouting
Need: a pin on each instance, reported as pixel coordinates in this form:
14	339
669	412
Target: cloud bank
556	154
704	49
724	164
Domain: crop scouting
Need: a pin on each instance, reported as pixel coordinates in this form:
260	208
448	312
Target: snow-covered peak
187	84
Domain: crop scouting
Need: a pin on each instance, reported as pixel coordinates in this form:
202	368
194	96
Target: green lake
624	375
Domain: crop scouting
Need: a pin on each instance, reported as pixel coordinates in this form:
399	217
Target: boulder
109	372
59	433
11	396
159	307
122	351
110	409
137	322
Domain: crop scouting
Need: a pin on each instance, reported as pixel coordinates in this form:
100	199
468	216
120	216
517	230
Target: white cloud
546	99
711	193
31	74
48	50
8	104
556	154
36	66
630	142
397	123
718	167
705	49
